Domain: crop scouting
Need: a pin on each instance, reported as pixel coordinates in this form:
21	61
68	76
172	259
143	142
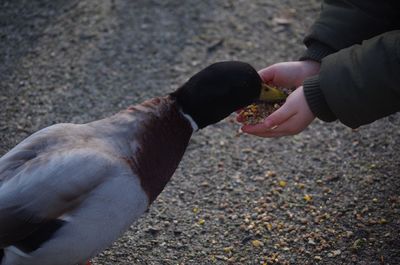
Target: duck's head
218	90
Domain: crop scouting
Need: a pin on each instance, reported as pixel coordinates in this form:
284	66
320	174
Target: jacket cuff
316	100
316	51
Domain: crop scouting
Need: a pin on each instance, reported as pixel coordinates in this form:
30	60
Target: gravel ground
326	196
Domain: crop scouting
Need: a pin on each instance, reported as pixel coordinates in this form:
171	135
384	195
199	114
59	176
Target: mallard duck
69	190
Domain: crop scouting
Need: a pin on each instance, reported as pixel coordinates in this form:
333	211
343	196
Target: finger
286	74
267	134
291	126
267	74
240	118
255	128
271	133
284	129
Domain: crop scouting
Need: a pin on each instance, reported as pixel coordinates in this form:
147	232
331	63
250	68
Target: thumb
267	74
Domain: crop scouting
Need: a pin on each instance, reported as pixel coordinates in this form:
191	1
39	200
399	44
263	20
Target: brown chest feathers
162	138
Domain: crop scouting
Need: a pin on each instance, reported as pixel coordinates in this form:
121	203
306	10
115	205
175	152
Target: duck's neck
194	125
162	135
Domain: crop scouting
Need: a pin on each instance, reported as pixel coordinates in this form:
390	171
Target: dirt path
327	196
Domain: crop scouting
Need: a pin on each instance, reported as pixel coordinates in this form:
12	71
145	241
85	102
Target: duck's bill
271	94
271	98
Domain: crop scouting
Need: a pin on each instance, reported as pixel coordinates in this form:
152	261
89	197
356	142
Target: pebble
257	243
282	183
334	253
319	258
311	241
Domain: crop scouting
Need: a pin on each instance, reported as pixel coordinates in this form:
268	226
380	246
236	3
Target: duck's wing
39	188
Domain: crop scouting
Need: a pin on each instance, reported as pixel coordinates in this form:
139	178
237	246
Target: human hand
292	118
295	115
289	74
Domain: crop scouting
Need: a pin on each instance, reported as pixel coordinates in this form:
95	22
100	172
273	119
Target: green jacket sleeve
359	84
343	23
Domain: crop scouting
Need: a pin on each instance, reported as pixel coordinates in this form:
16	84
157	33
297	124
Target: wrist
316	100
310	68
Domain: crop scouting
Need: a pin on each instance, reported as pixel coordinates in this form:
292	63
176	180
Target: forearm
345	23
359	84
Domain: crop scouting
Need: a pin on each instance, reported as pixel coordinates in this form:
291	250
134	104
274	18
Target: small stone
177	232
307	197
282	183
231	260
221	218
153	230
213	258
257	243
311	241
205	184
301	185
221	257
270	173
334	253
349	233
303	221
372	166
228	249
358	244
383	221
